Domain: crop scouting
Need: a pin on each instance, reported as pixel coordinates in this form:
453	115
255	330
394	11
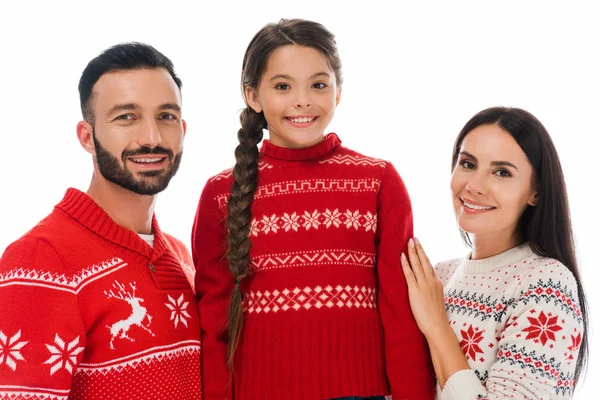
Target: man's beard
150	182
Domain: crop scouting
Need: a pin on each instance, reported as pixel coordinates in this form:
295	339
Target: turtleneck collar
329	142
508	257
84	209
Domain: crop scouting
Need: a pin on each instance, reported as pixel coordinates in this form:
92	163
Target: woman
515	305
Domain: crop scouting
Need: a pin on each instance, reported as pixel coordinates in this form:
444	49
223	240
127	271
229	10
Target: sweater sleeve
408	364
214	284
42	337
538	346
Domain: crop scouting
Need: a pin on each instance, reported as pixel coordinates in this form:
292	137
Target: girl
299	244
515	302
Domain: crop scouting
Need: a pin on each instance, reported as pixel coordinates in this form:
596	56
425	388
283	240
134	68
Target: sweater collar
329	142
508	257
84	210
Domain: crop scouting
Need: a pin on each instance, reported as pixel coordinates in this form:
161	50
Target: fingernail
411	243
403	257
417	241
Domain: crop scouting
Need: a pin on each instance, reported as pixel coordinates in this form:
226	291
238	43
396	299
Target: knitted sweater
326	311
90	311
518	321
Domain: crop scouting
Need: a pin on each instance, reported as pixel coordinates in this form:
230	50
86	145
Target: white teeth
146	160
301	120
474	207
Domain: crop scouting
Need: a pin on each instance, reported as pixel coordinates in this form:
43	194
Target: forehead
147	87
491	142
296	61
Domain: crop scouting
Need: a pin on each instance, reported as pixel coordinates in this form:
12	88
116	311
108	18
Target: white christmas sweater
518	321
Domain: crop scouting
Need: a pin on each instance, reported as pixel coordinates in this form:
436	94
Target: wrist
439	332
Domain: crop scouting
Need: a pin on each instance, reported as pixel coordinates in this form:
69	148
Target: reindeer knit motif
326	311
518	321
90	311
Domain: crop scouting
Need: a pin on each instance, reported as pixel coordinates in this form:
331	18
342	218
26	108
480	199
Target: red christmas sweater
326	305
90	311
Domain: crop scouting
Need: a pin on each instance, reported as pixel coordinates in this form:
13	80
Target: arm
408	365
533	363
538	346
214	284
42	337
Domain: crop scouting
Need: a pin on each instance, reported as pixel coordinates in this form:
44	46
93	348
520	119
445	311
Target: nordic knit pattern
90	311
518	321
326	304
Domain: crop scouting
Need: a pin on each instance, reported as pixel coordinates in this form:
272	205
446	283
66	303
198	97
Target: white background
414	74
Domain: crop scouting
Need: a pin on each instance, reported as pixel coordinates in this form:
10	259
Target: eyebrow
288	77
494	163
134	106
170	106
122	107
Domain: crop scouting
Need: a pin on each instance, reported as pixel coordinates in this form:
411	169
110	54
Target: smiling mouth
477	207
147	160
301	120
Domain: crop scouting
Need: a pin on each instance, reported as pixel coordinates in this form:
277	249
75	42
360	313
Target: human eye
282	86
168	117
319	85
502	173
467	164
124	117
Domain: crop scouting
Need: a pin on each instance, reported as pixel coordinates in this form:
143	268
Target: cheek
457	184
274	105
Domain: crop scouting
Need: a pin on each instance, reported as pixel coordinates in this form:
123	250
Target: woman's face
492	183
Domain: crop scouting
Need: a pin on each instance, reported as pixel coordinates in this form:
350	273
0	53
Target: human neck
488	245
128	209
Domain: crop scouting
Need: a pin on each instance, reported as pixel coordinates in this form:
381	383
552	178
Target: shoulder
546	281
345	156
178	246
445	269
539	271
35	250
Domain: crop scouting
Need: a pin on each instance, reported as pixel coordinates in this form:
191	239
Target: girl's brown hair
245	172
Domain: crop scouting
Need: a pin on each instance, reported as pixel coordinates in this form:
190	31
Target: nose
476	184
149	134
302	99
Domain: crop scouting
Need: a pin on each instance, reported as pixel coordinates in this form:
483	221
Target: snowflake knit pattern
91	311
518	321
326	303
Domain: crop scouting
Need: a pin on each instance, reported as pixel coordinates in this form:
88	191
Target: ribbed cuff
463	385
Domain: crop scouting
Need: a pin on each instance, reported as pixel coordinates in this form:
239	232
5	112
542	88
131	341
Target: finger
424	260
415	264
408	273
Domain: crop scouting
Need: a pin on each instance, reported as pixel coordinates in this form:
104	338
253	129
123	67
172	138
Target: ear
338	96
184	125
253	99
85	134
533	200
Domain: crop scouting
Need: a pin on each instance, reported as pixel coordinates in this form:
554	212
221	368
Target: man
95	302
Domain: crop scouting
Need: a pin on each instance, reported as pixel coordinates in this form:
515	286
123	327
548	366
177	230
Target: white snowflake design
332	218
178	310
370	222
290	222
352	219
63	355
315	219
311	220
270	224
10	350
254	229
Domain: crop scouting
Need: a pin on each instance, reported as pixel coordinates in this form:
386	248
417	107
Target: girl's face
298	94
492	183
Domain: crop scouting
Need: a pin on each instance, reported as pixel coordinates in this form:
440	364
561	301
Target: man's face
138	131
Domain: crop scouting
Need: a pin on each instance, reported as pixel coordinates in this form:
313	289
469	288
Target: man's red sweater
88	310
326	311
